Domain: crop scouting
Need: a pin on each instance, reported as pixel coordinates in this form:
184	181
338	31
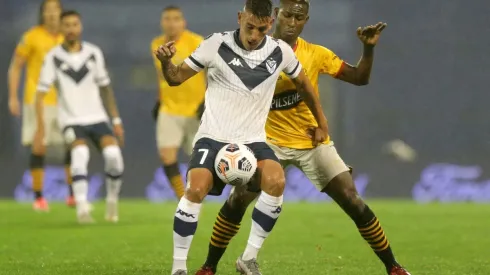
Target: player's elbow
362	82
174	83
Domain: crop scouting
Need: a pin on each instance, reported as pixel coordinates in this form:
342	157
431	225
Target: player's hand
155	110
369	35
119	132
38	142
14	106
166	52
317	135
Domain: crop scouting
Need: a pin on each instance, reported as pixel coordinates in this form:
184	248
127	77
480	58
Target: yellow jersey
289	117
182	100
35	44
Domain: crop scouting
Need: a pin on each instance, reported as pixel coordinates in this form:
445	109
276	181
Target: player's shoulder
313	48
91	47
285	48
193	36
32	34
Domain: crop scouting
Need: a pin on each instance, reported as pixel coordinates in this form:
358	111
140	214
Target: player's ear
239	17
276	12
307	18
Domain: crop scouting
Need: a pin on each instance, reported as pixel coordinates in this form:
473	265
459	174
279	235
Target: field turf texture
311	239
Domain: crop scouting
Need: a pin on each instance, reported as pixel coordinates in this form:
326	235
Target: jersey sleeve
24	47
204	54
330	63
293	67
101	75
48	74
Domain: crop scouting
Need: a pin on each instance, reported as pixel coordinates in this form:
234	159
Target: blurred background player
176	107
30	53
78	69
290	127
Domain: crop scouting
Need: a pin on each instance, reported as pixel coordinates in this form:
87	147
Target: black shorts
204	154
92	132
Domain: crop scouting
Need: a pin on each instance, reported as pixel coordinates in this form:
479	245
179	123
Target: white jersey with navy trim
77	76
240	85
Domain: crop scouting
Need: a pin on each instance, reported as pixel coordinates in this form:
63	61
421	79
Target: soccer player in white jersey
243	67
77	68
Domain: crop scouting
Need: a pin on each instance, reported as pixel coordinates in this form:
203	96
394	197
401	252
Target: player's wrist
116	121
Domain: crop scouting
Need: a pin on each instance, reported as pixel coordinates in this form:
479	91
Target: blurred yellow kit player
30	52
176	107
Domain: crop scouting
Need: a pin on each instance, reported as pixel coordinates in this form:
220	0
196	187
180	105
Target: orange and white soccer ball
235	164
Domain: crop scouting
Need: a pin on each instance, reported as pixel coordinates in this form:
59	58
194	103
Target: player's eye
286	14
262	29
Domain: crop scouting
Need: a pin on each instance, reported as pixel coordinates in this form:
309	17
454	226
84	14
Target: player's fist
317	135
369	35
166	52
14	106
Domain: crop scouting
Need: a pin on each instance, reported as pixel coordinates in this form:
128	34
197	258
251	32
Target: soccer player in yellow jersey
290	128
30	53
176	107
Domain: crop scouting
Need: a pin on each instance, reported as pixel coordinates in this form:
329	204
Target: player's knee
273	184
196	192
168	155
80	156
114	163
39	150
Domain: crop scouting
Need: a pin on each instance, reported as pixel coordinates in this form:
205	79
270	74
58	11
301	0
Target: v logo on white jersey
236	62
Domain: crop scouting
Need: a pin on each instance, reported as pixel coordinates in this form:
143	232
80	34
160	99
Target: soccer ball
235	164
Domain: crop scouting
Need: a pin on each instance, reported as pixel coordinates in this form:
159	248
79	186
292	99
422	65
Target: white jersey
241	85
77	77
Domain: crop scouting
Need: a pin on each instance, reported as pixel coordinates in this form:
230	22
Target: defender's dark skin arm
359	75
307	93
109	100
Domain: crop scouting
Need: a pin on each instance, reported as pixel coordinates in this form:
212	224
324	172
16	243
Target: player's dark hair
41	9
70	13
171	8
259	8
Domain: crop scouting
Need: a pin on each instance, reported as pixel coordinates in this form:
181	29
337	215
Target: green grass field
436	239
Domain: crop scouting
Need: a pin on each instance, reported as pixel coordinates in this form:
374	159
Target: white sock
264	217
113	187
185	225
80	191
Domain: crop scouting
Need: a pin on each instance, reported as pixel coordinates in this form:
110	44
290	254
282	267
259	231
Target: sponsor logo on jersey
286	100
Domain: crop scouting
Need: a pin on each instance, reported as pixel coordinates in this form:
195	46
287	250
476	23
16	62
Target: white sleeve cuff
194	64
296	71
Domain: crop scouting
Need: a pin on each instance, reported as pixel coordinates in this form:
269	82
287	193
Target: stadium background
428	88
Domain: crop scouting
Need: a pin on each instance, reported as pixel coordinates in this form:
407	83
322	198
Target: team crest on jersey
271	65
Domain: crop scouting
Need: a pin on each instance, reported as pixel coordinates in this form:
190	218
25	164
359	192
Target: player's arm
47	78
307	93
106	92
17	63
360	74
196	62
173	74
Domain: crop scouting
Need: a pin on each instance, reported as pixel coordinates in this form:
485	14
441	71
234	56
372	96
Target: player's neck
54	30
175	38
291	42
72	46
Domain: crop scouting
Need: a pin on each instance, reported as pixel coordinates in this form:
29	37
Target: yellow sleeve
330	63
24	48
